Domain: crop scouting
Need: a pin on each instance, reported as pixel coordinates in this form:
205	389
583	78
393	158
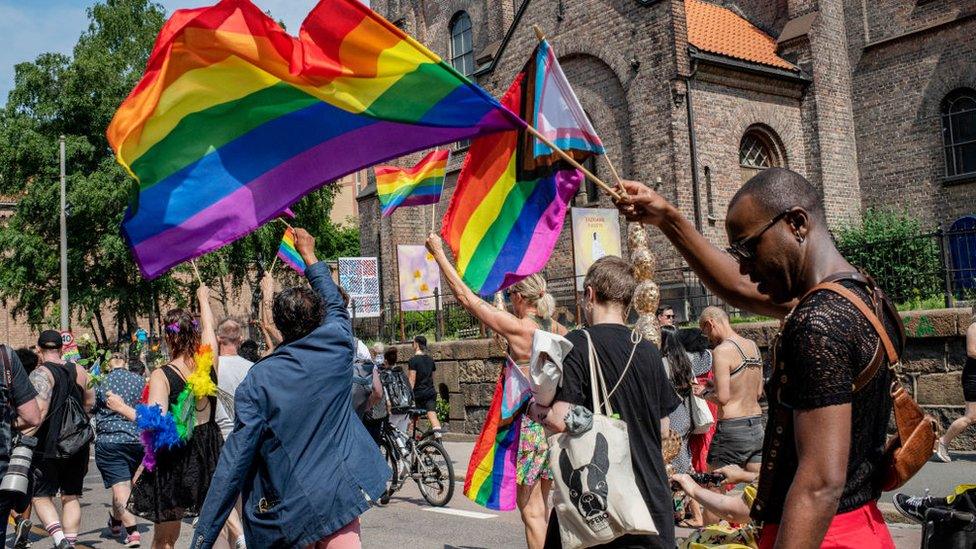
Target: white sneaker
942	452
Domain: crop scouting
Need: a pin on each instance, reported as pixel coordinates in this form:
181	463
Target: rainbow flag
510	200
416	186
490	481
234	120
289	254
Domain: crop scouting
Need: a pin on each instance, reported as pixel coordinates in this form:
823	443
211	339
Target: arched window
758	151
462	49
588	193
959	132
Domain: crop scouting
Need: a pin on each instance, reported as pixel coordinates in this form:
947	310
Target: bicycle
420	457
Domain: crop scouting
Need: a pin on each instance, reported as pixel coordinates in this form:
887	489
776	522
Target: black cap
50	339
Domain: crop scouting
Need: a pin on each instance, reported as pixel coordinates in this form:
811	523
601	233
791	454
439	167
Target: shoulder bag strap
890	352
8	373
596	388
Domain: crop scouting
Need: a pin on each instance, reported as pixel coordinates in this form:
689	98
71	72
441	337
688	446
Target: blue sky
31	27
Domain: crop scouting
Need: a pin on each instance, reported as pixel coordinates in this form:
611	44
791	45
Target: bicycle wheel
435	473
390	456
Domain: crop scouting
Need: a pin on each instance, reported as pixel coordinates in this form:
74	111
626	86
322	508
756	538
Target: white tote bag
596	496
701	415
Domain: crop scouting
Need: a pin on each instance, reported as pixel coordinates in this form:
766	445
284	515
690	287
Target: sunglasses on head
744	249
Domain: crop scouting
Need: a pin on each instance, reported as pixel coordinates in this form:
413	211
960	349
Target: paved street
409	522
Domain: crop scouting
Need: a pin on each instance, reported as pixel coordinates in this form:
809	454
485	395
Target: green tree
77	96
893	249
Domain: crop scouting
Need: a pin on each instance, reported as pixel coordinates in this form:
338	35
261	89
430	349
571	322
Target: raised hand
641	203
305	244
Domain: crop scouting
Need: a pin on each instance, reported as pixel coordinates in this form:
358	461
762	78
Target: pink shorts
346	537
862	528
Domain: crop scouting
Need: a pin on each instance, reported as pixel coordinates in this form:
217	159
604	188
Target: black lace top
825	344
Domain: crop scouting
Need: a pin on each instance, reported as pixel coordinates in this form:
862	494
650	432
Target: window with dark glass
462	48
959	132
588	192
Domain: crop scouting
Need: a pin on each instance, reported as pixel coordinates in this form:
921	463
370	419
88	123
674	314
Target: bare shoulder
724	354
158	376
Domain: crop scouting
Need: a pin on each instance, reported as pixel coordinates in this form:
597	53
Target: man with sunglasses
824	442
665	316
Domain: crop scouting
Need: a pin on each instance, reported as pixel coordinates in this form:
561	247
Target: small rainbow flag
491	479
416	186
234	119
289	254
511	198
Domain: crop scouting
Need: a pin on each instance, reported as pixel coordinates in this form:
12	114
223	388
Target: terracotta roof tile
715	29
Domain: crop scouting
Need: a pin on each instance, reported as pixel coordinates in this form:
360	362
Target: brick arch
784	136
942	86
604	98
772	137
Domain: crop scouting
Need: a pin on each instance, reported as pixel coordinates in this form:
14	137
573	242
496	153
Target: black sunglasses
744	249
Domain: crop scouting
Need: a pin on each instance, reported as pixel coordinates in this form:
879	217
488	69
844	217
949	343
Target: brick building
873	102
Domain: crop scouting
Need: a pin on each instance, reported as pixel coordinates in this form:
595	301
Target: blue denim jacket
301	458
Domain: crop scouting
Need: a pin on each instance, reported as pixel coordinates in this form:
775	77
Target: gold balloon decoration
647	295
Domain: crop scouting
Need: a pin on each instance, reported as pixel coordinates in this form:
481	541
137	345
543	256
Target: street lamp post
64	244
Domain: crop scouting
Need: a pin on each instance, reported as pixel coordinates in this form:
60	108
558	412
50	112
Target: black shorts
426	402
65	476
737	441
969	380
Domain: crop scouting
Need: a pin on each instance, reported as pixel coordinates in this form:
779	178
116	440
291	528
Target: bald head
715	314
776	190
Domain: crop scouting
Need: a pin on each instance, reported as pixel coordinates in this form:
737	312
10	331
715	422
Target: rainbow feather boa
174	428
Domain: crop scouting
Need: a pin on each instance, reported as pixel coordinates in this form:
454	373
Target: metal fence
933	270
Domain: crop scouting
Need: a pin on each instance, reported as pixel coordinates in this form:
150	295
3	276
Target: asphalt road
409	522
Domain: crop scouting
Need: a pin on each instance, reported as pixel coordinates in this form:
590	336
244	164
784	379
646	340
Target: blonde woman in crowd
533	308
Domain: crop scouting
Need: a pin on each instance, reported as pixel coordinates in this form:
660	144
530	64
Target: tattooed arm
43	383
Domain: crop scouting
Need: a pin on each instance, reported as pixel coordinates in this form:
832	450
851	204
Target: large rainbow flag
490	481
234	120
511	198
415	186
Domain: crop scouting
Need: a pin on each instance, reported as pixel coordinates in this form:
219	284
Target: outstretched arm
320	278
272	337
716	269
498	320
208	327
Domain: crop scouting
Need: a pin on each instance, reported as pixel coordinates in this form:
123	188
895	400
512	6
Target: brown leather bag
917	432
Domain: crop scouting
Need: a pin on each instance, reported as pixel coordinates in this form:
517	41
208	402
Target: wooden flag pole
273	263
433	216
282	219
193	263
572	162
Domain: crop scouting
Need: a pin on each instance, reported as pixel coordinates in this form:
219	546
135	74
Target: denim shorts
117	462
737	441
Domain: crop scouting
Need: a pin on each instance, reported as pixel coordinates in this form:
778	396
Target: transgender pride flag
557	113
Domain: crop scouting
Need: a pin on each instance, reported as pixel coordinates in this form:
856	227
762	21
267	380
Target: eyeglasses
744	249
669	316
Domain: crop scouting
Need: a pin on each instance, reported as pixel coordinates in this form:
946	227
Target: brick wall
900	86
933	361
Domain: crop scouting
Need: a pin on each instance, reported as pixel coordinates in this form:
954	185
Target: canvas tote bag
701	415
596	496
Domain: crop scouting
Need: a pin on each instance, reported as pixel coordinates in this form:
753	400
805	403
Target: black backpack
397	389
76	431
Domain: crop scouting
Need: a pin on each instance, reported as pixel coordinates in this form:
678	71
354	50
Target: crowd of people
285	454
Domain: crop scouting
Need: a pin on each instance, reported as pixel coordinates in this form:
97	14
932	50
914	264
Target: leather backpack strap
889	348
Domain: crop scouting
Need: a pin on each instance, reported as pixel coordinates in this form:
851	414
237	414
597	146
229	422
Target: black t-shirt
21	389
423	385
644	396
825	344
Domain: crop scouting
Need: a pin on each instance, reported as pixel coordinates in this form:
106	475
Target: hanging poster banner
419	276
359	276
596	233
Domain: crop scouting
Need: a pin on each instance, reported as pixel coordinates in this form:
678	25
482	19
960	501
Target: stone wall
933	361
